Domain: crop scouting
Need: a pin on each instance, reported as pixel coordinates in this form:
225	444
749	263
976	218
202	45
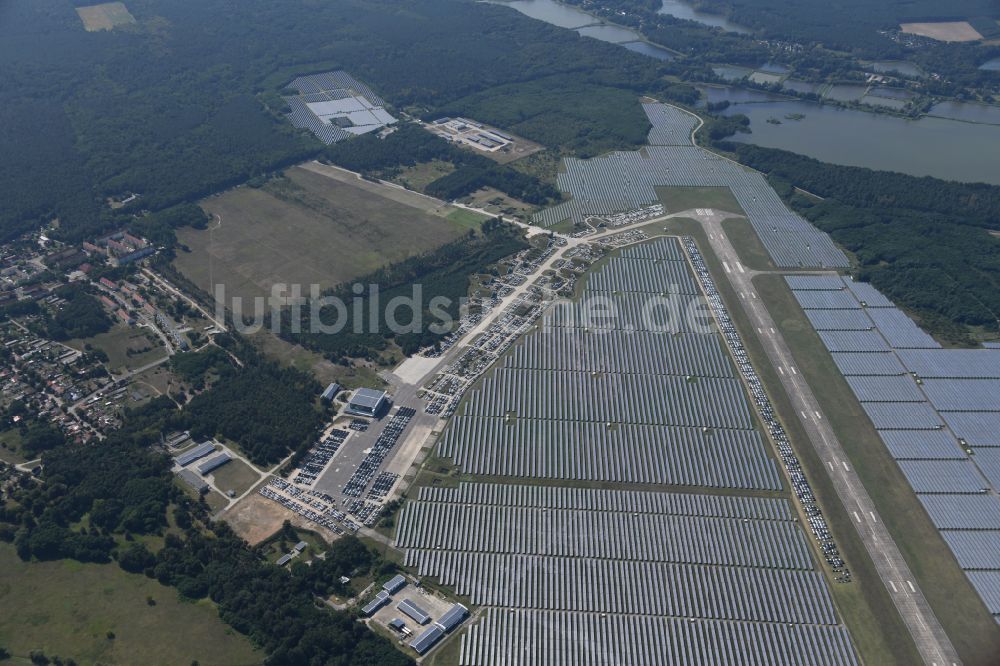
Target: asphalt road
933	644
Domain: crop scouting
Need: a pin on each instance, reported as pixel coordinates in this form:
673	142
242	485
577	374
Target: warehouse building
454	617
427	638
394	584
381	599
199	451
413	611
193	480
331	392
368	402
214	463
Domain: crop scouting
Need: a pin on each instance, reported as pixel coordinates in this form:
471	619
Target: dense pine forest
186	101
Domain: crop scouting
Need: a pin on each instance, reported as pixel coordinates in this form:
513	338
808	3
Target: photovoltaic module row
711	402
603	534
963	512
606	350
891	388
670	128
582	451
628	311
594	499
590	639
636	275
630	587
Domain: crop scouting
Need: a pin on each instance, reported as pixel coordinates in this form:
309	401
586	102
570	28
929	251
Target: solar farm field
936	410
619	502
919	523
308	228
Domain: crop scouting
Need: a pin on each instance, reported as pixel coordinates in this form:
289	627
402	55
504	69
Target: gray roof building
214	463
394	584
413	611
381	599
193	480
284	559
331	391
199	451
300	546
367	402
427	638
454	617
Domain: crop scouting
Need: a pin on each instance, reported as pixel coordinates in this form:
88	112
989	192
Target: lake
550	11
651	50
991	65
609	33
565	16
972	113
682	10
925	147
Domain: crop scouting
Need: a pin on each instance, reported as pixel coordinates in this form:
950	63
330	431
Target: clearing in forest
106	16
946	31
309	227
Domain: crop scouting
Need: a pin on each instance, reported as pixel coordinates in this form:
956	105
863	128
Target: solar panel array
611	397
552	449
639	352
568	639
929	405
610	406
624	181
331	87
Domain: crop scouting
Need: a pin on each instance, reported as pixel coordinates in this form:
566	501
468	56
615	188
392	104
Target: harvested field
949	31
308	228
105	16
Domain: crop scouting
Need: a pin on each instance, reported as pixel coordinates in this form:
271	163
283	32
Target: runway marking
742	295
781	370
830	464
726	266
872	514
856	516
845	465
740	266
754	294
772	331
818	415
912	589
792	368
804	415
760	331
893	585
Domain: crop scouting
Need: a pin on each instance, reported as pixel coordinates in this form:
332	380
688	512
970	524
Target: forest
926	243
183	104
82	316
